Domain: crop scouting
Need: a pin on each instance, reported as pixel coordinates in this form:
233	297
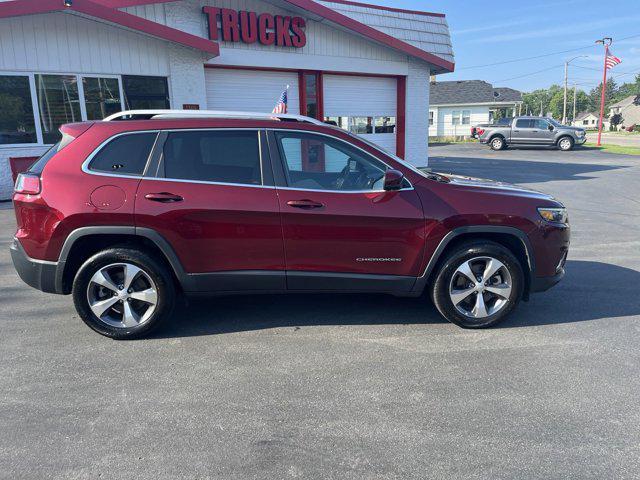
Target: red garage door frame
401	116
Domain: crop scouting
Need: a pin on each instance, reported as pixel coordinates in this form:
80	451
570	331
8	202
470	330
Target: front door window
315	162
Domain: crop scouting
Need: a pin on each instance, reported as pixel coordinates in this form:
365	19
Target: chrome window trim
351	145
204	182
85	164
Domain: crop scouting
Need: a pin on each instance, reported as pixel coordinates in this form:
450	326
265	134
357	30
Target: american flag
281	106
611	61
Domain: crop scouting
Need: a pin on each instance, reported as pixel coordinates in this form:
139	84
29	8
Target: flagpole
606	42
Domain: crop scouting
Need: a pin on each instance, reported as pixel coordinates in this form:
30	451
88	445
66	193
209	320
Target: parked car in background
500	122
542	131
125	215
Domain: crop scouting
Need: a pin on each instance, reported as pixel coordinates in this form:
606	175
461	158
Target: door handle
163	197
305	204
516	131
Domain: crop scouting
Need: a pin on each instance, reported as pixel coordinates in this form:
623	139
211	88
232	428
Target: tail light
480	131
27	184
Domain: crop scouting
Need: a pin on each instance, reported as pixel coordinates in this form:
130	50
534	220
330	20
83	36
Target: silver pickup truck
541	131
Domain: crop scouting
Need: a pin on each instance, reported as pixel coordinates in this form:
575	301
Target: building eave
104	13
441	65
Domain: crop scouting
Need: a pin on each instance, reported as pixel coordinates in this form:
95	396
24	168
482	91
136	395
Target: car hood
494	186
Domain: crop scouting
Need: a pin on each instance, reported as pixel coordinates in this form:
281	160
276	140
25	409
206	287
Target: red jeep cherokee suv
126	213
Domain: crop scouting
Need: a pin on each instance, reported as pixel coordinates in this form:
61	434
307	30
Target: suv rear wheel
123	293
478	285
497	143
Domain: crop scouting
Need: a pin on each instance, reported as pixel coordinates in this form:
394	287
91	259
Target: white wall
65	43
417	121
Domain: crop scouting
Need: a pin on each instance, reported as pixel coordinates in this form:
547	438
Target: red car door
213	205
341	229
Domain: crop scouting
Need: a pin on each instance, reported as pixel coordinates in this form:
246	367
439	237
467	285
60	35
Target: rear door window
125	155
213	156
524	123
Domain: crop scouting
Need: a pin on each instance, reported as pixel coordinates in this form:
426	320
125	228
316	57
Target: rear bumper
35	273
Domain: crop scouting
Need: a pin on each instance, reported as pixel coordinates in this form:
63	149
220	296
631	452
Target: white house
458	105
365	67
589	121
629	109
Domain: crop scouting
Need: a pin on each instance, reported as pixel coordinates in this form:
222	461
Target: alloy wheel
122	295
565	144
480	287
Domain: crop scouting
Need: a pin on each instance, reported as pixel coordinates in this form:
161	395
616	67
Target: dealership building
364	67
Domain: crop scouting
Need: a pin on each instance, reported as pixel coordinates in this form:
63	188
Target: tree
611	91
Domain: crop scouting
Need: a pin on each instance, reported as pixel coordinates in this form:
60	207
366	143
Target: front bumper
38	274
542	284
581	141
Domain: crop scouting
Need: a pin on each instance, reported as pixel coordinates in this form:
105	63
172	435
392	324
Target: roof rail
166	114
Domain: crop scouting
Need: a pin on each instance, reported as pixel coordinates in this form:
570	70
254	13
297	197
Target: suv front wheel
123	293
478	285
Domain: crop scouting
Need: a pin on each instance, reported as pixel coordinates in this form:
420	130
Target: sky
488	32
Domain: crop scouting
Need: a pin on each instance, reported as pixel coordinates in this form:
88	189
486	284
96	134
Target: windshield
554	123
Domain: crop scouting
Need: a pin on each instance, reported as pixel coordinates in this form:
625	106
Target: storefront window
144	93
361	125
101	96
17	124
385	125
342	122
58	102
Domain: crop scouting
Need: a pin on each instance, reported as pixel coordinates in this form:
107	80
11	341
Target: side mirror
551	129
393	180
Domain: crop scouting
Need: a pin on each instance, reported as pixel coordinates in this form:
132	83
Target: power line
529	74
523	59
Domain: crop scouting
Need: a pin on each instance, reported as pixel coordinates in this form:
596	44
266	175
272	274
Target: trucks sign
240	26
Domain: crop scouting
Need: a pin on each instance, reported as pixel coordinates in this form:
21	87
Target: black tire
445	276
565	143
152	269
497	143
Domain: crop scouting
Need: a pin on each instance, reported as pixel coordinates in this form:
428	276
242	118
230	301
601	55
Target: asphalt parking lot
362	387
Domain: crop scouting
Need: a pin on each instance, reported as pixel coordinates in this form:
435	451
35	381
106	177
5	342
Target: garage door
249	90
366	106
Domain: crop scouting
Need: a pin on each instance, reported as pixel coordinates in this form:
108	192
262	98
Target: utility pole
575	101
606	41
566	80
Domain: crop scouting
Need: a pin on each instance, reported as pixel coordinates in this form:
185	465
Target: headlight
555	215
581	133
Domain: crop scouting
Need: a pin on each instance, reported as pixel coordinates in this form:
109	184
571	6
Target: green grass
619	149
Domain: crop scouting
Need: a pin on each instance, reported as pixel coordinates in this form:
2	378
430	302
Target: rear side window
524	123
127	154
213	156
